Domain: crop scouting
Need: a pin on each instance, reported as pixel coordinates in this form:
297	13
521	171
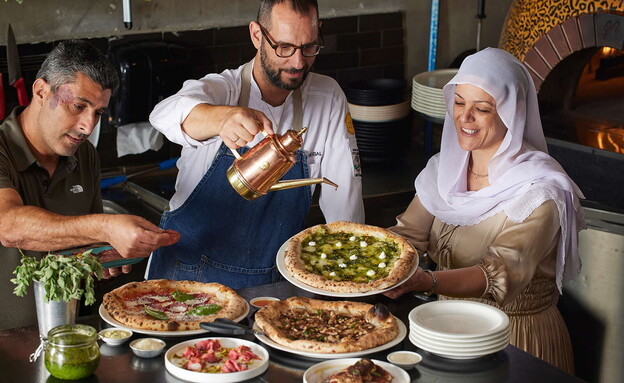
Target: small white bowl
145	353
404	359
261	302
115	336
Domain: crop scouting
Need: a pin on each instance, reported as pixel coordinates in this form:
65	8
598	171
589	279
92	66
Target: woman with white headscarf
497	214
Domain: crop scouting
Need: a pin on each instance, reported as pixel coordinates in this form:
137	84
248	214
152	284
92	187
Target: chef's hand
133	236
115	271
419	281
241	125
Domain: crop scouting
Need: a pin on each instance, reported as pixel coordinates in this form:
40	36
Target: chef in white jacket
226	238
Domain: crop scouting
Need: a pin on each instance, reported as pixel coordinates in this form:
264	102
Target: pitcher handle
235	153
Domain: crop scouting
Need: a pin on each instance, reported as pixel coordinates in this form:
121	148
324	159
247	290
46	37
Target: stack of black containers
381	116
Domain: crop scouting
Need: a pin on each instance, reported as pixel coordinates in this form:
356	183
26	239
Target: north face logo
76	189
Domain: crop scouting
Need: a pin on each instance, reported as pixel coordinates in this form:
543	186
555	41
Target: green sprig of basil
205	310
60	275
182	296
155	313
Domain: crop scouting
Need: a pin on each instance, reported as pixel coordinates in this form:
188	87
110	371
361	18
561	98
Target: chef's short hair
301	7
71	57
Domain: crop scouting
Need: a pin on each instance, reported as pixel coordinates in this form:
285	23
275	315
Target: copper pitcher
258	171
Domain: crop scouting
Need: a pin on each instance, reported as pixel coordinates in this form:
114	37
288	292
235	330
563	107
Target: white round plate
458	319
319	372
435	78
428	102
460	342
427	91
457	348
112	321
205	377
281	266
317	355
453	354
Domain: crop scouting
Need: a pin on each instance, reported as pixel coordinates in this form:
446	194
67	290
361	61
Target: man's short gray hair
71	57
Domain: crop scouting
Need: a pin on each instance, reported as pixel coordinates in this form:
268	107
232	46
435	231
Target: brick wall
357	47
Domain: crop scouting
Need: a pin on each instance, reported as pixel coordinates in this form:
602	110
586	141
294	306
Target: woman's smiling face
477	122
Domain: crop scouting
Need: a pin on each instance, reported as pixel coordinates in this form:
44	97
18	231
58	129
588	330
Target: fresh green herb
60	275
155	313
205	310
181	296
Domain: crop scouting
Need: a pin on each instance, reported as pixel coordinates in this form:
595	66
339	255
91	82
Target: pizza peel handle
226	326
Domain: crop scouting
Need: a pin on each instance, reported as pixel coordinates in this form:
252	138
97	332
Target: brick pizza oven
574	50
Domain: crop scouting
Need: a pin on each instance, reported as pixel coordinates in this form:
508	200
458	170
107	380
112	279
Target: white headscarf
522	175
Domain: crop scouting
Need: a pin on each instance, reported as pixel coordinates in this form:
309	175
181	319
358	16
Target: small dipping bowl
147	347
115	336
261	302
404	359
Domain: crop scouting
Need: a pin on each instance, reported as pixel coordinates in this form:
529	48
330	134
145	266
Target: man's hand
115	271
240	126
234	124
133	236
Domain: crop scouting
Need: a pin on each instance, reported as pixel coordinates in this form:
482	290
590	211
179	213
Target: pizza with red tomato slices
167	305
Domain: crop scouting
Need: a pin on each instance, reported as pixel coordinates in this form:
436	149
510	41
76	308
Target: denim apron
226	238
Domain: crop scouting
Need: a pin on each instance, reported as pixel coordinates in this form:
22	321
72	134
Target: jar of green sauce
72	352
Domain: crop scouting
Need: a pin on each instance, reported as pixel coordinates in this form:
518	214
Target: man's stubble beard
275	75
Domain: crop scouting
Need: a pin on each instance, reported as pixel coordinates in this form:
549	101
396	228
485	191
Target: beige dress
519	261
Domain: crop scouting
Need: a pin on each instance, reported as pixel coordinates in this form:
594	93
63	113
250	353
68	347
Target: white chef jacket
330	148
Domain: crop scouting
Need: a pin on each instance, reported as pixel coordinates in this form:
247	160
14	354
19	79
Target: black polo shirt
74	189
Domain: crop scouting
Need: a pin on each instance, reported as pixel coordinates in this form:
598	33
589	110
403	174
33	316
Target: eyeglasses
286	50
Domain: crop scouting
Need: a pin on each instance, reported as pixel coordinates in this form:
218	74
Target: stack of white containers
427	96
459	329
382	113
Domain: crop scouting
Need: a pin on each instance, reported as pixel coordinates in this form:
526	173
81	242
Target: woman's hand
420	281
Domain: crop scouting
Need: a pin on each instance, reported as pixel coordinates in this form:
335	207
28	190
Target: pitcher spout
281	185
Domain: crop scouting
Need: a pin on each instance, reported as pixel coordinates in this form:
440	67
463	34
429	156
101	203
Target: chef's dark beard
275	75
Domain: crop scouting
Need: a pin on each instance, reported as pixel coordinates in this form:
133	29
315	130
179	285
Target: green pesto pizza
348	257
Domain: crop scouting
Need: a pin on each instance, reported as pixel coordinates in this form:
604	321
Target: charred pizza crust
348	326
126	304
399	269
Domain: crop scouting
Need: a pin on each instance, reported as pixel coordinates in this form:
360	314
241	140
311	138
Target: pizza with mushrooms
348	257
167	305
327	326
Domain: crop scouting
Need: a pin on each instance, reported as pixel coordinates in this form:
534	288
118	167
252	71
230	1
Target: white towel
137	138
94	137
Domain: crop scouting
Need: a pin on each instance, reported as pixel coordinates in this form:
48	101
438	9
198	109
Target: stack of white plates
427	96
380	113
459	329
